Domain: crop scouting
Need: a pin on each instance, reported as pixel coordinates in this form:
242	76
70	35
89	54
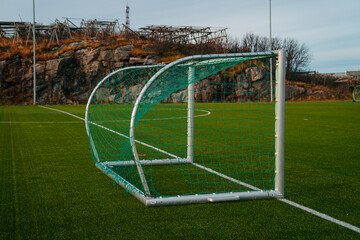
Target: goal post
190	116
280	124
201	129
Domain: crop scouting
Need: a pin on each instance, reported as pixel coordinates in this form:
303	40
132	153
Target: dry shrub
140	52
169	59
4	55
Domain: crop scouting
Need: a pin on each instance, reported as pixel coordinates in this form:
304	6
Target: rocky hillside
66	79
69	77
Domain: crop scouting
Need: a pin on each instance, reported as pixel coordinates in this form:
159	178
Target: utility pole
270	48
34	46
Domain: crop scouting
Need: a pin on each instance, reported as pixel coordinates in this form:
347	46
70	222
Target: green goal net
356	94
204	128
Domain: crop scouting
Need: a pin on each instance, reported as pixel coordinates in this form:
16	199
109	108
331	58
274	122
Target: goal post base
187	199
148	162
212	198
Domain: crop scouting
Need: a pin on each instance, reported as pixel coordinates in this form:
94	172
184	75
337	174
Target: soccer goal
201	129
356	94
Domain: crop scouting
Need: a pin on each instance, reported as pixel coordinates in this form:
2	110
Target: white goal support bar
151	162
252	194
190	116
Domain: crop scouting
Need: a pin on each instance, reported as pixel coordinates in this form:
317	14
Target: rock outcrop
67	79
70	77
298	91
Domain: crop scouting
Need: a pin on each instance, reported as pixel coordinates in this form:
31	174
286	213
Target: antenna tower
127	15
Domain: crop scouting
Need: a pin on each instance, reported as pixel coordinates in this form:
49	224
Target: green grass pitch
50	188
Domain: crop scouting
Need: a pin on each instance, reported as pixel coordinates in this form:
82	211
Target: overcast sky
330	28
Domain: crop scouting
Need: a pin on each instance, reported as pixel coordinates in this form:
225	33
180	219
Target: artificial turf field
50	188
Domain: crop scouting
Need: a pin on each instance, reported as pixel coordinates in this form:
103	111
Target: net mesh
356	94
233	131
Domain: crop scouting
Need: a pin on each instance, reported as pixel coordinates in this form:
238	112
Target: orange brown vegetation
167	51
45	51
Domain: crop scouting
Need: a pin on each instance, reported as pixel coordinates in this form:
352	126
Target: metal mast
127	15
34	45
270	48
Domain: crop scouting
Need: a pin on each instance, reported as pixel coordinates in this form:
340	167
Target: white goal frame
145	196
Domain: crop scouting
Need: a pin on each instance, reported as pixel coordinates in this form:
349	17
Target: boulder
53	66
127	48
106	55
89	55
293	91
320	94
255	73
120	54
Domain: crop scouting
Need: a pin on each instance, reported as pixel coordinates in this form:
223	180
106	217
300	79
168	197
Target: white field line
137	141
201	115
110	130
319	214
54	109
226	177
70	122
167	118
309	210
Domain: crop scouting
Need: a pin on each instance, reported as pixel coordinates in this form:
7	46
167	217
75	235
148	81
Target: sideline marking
58	110
322	215
294	204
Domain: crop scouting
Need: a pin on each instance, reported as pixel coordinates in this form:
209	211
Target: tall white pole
270	48
280	124
34	46
270	21
190	120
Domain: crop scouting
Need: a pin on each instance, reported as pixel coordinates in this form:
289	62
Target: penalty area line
291	203
67	113
153	119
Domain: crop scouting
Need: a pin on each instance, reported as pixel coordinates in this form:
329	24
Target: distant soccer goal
356	94
201	129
